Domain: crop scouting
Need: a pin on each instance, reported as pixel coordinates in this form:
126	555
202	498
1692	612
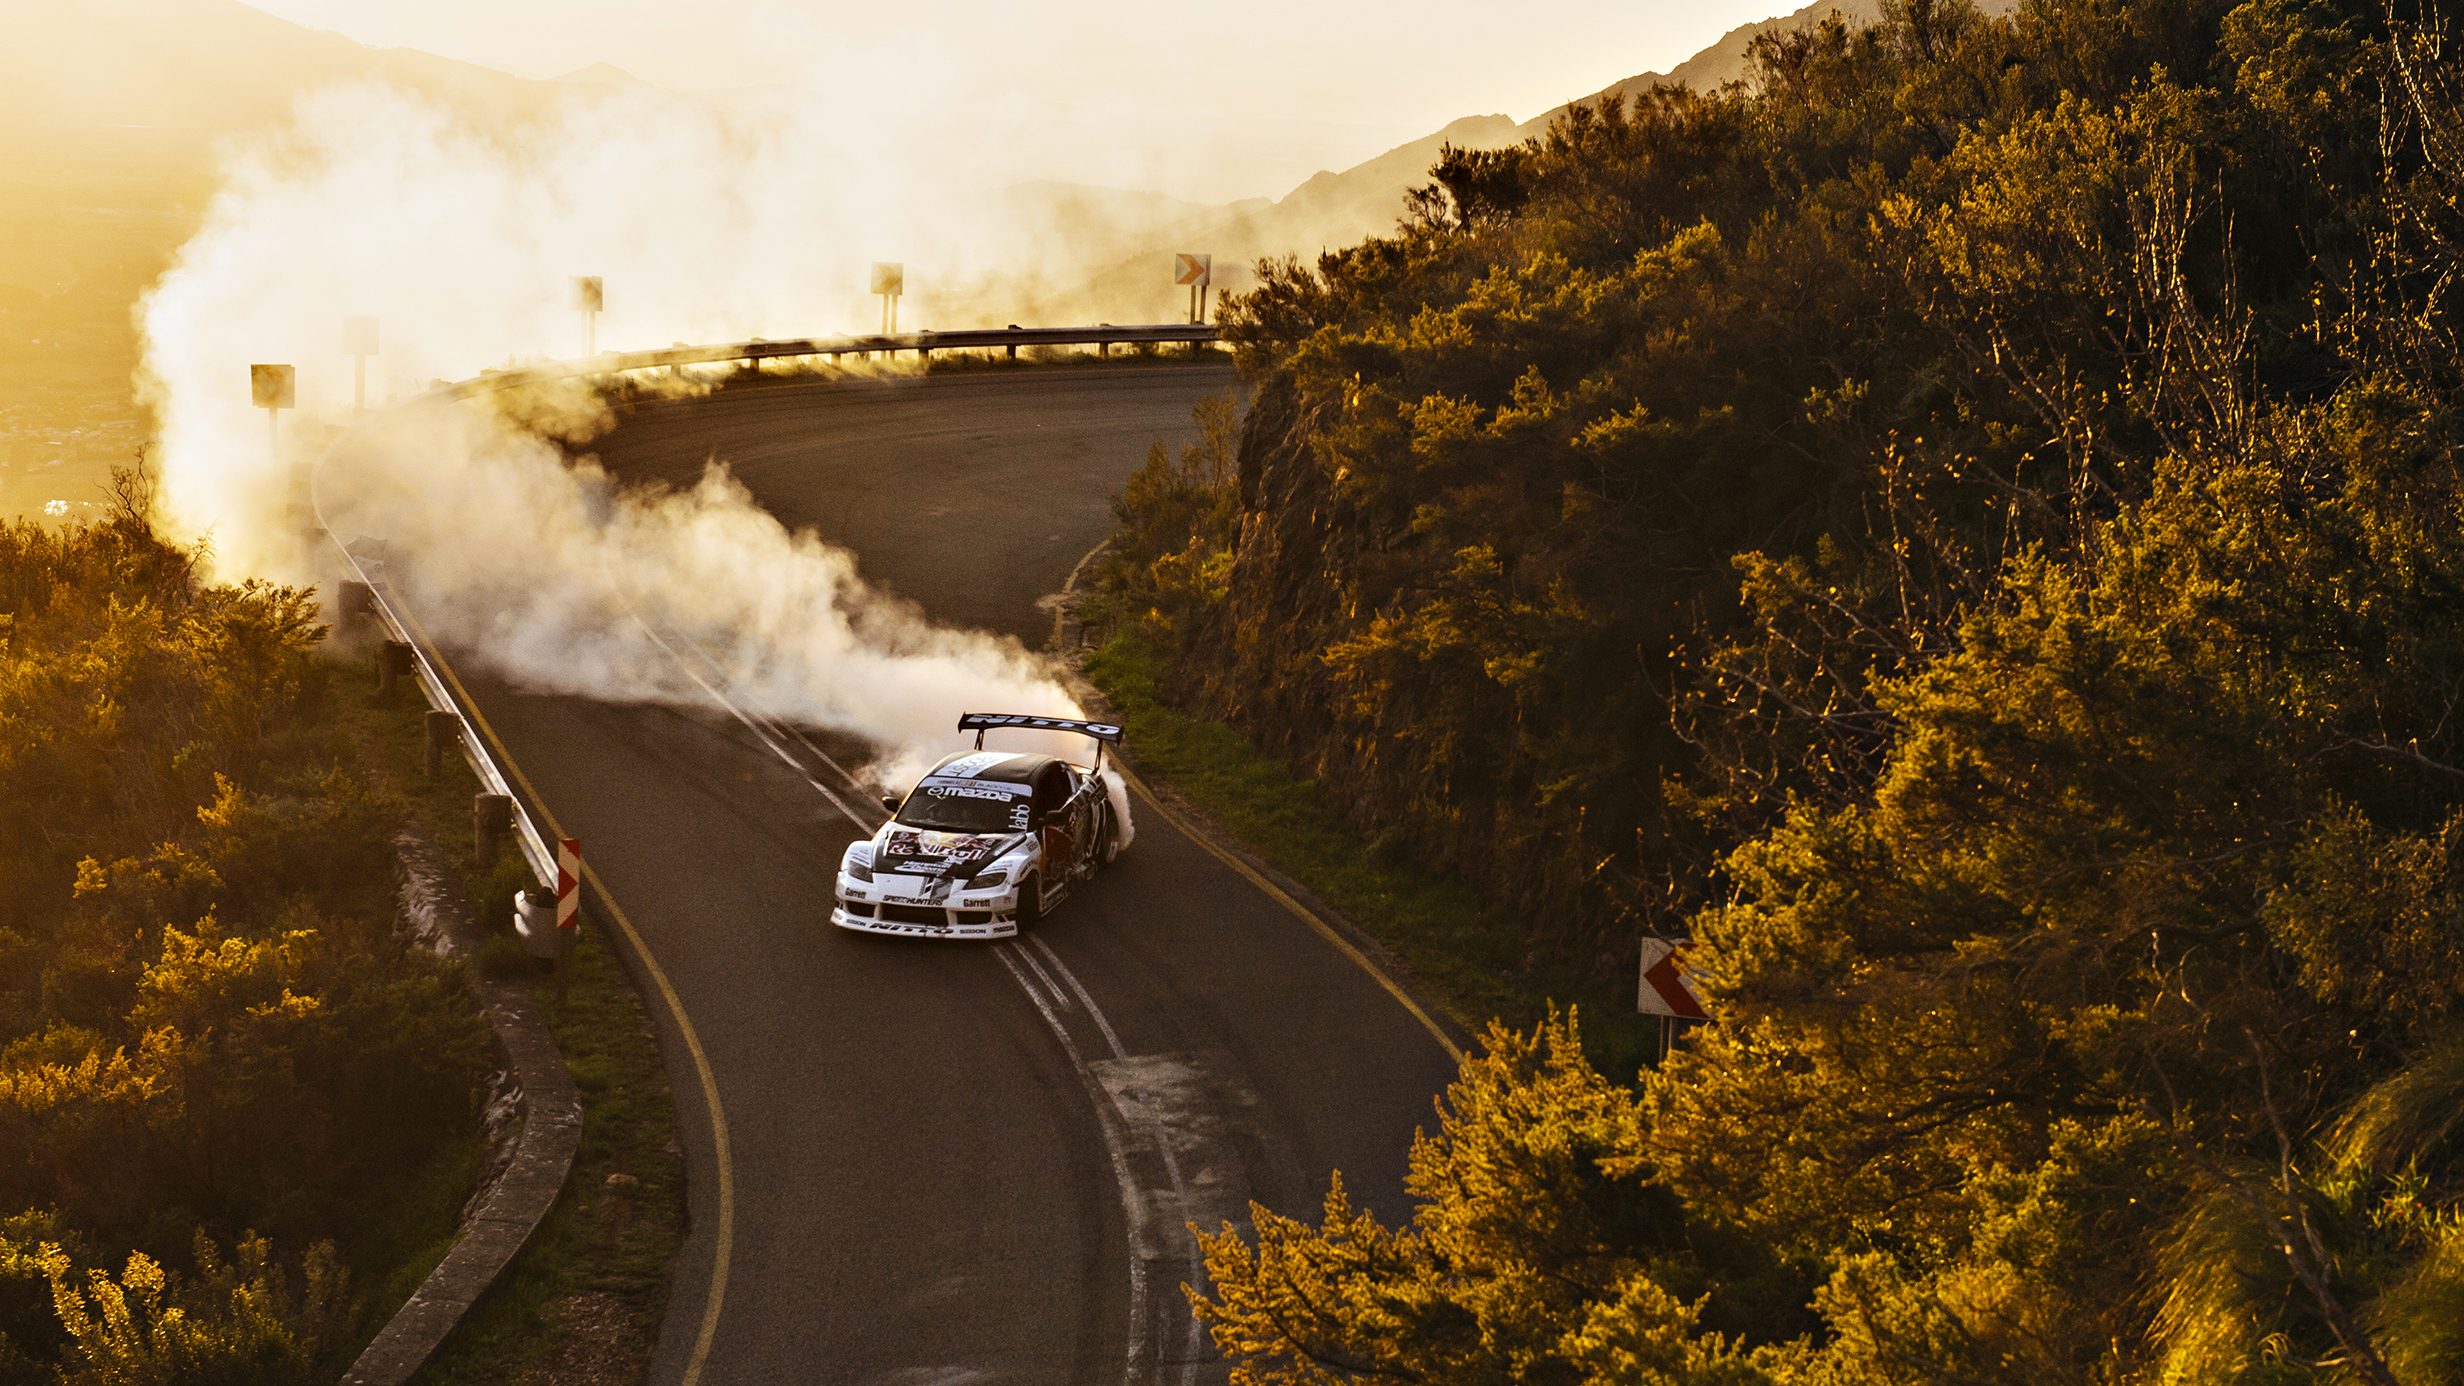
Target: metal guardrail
369	571
1102	336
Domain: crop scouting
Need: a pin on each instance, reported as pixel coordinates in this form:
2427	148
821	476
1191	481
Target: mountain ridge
1342	207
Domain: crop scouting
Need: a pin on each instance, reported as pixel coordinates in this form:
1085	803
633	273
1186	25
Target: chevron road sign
568	884
1664	990
1198	272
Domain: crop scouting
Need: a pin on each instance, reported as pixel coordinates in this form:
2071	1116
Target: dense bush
216	1058
1968	526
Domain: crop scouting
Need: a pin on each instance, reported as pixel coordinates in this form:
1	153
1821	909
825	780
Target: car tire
1030	903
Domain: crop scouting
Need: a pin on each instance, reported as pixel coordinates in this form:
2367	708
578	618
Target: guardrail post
491	820
441	730
353	601
393	660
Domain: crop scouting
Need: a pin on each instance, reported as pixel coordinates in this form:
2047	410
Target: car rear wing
1104	733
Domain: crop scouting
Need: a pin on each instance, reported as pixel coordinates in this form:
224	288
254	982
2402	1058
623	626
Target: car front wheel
1030	903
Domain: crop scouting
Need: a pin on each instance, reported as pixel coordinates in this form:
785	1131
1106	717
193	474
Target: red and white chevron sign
568	883
1665	990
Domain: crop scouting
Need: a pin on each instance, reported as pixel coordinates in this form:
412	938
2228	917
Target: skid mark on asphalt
1171	1123
1154	1337
1161	1116
1202	1120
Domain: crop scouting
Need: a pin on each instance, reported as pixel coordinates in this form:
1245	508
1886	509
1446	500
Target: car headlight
990	880
857	866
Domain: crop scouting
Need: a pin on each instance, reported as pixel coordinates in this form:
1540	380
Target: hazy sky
1253	96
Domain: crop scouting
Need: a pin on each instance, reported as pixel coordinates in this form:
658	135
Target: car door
1083	814
1057	821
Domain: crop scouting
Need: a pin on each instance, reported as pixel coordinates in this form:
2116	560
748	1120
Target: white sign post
889	281
359	343
1198	272
590	295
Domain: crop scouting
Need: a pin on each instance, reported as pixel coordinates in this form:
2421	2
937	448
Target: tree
1537	1254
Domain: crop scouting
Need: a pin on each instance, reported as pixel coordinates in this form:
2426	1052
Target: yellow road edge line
1298	910
667	993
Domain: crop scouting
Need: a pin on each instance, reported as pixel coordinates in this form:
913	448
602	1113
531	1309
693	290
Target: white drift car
986	842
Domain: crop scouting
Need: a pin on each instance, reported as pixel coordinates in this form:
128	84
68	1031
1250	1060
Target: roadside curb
521	1195
1068	648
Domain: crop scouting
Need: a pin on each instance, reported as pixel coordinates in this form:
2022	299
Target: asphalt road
935	1162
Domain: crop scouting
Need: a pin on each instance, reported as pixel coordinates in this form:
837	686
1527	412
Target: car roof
1004	767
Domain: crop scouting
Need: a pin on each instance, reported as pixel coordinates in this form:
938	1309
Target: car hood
925	852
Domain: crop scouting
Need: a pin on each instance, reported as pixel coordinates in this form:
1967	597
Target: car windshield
960	807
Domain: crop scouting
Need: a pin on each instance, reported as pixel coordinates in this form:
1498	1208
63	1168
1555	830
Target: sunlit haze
1231	100
218	169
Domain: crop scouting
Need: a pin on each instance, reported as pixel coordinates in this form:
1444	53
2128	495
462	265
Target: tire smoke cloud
463	243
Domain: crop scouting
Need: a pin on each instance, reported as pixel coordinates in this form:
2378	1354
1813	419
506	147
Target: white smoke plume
463	244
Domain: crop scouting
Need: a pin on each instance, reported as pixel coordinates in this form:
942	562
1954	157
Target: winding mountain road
916	1162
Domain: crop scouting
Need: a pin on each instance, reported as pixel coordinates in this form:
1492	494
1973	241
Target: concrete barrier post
491	820
442	729
393	660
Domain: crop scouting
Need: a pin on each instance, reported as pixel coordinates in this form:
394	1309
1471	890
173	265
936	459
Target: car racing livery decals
943	857
906	849
944	881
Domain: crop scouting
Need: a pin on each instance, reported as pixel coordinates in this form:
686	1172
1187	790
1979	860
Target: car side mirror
890	802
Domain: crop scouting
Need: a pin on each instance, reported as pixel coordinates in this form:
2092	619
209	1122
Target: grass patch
1470	954
376	736
613	1240
609	1240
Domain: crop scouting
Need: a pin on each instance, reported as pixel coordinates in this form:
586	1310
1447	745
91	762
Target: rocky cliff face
1288	588
1311	568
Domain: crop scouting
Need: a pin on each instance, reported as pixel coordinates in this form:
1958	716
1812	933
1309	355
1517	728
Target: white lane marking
1132	1206
826	758
754	727
1110	1038
767	741
1160	1138
1058	995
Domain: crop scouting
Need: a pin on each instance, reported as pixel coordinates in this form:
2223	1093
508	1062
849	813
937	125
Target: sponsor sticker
989	720
967	791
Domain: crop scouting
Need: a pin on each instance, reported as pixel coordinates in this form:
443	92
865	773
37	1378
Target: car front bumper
868	908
